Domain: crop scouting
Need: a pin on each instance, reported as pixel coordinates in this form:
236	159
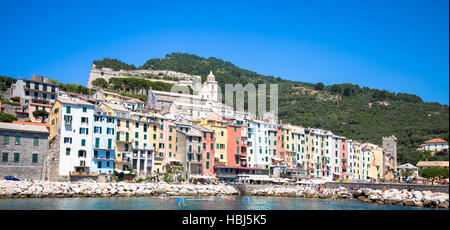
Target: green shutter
36	141
35	158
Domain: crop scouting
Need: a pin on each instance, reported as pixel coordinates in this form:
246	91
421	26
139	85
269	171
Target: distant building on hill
37	90
434	145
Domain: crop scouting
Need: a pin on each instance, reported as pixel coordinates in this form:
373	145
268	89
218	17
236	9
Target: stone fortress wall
107	73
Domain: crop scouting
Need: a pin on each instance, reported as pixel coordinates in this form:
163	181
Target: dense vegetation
72	88
346	109
5	117
434	172
113	64
6	82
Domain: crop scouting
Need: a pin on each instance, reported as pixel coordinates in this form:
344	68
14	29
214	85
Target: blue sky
400	46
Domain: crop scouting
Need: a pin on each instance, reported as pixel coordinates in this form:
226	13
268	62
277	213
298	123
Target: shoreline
23	189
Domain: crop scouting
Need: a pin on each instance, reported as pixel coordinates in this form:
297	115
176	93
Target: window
68	140
97	142
16	157
154	136
118	122
109	143
6	140
118	136
5	157
84	109
68	109
207	155
35	158
17	141
84	131
207	165
83	142
136	134
67	151
137	125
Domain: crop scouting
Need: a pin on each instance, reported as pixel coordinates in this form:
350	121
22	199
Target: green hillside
346	109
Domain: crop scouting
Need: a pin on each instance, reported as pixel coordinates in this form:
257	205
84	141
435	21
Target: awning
276	158
173	160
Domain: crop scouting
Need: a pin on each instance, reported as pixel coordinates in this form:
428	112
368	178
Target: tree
41	114
434	172
319	86
5	117
100	82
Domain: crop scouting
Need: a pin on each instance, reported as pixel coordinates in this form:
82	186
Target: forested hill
359	113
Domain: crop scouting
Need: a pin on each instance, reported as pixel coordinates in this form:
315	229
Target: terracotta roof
31	123
436	140
15	127
39	104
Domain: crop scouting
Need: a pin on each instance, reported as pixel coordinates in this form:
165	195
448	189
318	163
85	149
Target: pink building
37	106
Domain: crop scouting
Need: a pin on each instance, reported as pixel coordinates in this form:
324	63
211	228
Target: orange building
237	143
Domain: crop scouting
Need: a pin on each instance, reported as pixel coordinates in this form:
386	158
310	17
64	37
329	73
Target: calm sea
193	203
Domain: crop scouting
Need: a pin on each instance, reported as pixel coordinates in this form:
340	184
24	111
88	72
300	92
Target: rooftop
18	127
432	164
73	101
435	140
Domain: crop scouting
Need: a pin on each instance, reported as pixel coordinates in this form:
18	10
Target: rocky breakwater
403	197
23	189
391	196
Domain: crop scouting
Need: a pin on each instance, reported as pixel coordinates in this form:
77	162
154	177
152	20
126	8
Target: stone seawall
393	196
23	189
409	187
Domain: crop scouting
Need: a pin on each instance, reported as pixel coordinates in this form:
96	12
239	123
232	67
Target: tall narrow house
71	130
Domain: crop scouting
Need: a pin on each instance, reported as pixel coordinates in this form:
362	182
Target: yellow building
375	170
360	168
215	123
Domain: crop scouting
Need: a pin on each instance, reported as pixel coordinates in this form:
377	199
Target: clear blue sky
401	46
